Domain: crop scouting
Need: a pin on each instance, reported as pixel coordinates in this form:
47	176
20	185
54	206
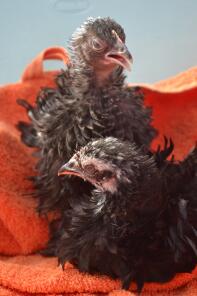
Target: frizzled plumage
91	100
143	227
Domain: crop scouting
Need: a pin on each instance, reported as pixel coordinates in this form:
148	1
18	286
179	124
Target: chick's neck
97	76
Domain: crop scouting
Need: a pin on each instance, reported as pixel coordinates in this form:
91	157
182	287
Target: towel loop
35	69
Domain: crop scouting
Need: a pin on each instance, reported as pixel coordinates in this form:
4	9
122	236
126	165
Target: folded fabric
23	232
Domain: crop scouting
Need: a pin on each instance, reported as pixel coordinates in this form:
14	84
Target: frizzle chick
139	223
91	100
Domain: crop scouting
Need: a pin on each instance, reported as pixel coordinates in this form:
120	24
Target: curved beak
69	168
120	55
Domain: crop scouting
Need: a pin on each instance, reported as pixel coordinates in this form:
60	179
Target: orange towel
23	232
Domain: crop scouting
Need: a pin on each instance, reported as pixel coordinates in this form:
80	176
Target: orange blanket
22	232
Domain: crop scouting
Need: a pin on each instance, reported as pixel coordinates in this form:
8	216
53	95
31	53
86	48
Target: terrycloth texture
22	232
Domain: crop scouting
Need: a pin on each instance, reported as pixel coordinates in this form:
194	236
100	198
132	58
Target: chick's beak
70	168
120	55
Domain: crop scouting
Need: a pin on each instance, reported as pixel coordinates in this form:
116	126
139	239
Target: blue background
161	35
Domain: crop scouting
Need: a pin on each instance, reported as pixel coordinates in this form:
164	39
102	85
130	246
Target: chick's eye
89	168
97	45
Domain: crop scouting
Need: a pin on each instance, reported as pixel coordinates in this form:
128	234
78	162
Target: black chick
139	223
91	100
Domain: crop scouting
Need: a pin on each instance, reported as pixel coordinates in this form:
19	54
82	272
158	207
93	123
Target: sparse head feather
104	28
111	149
123	155
100	27
109	163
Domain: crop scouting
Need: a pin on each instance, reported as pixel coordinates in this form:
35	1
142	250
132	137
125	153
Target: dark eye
97	44
89	168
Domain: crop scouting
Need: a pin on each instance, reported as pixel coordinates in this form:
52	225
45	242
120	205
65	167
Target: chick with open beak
102	47
139	223
100	174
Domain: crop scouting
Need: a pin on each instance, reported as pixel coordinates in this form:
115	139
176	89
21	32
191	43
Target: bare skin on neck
103	72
